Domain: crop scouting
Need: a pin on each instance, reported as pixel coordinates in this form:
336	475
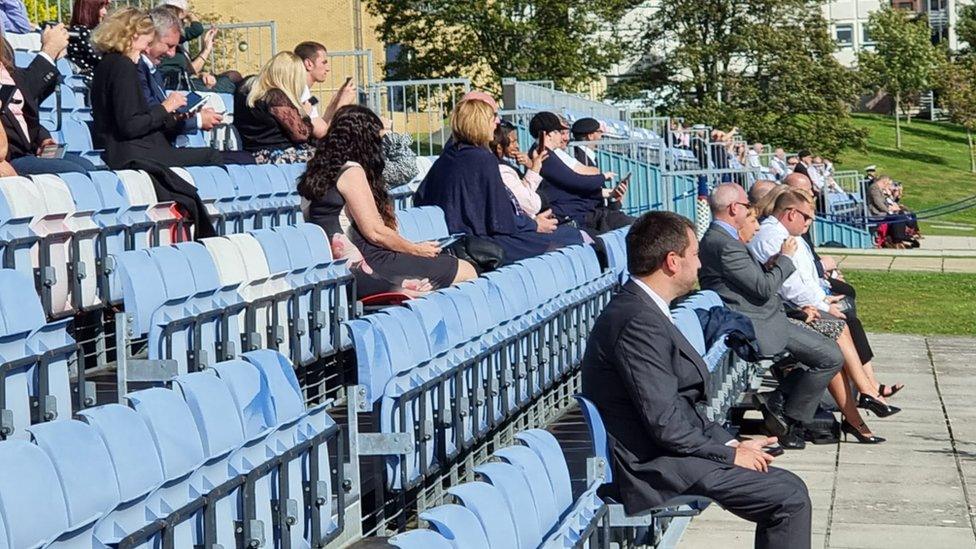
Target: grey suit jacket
646	380
877	205
745	286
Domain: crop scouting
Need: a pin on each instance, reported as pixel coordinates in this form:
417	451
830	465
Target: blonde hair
473	122
115	33
791	198
284	72
764	207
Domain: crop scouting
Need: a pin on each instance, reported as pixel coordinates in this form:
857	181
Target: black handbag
484	254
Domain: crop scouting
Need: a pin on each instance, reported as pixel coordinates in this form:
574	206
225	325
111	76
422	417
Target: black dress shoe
793	439
770	404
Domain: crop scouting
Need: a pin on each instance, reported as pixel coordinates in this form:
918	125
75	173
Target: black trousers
777	501
861	343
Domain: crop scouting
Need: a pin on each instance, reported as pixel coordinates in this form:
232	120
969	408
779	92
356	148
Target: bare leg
840	390
869	371
853	367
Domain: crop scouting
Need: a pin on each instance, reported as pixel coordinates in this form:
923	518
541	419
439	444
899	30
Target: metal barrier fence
244	47
523	95
355	64
419	108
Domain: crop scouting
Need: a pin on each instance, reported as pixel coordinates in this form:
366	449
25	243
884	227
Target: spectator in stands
6	170
523	187
128	127
647	381
163	46
183	72
750	226
85	16
191	27
345	180
885	209
572	196
764	206
586	129
466	183
791	163
28	142
749	288
803	161
277	127
14	16
315	58
812	306
754	157
870	175
759	189
777	164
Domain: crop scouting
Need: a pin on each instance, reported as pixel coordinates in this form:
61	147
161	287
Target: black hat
545	122
803	154
586	125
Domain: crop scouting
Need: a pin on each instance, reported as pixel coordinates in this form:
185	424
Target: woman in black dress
85	16
344	193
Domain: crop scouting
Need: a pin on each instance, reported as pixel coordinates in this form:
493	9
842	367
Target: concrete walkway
915	490
939	254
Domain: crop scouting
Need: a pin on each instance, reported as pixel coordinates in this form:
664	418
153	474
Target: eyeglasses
805	216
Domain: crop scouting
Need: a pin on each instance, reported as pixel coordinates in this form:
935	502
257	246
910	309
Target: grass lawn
916	303
933	164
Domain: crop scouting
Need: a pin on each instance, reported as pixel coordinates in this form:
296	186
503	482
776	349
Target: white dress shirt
658	300
803	287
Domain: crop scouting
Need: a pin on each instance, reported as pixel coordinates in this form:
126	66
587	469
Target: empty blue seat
489	506
458	525
420	539
33	511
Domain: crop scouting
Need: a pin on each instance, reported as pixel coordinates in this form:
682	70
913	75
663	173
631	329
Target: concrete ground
942	254
916	489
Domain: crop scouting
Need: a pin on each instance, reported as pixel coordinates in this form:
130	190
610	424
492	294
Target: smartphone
6	93
625	179
194	102
52	151
346	83
313	100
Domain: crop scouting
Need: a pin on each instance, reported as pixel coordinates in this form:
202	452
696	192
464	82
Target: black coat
36	82
570	194
646	379
127	127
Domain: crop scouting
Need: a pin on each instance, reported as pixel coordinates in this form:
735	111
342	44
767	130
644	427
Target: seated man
586	129
646	379
572	196
749	288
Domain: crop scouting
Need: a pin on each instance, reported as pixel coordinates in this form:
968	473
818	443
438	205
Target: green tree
568	41
903	61
766	66
957	92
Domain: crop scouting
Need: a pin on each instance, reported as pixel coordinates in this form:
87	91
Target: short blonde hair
284	72
791	198
764	207
473	122
115	33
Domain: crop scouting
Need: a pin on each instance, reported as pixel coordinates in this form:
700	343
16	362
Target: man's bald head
759	190
798	181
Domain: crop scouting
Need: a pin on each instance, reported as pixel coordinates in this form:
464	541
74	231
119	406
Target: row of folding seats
225	455
615	243
522	499
197	303
36	357
426	223
475	354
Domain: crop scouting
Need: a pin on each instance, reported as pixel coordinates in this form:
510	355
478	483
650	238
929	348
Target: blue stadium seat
489	506
420	539
547	449
33	511
534	470
458	525
514	488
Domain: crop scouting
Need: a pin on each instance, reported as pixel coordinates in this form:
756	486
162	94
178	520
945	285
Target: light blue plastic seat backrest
76	134
706	299
138	470
686	320
546	284
19	304
260	179
416	337
419	539
295	245
289	404
407	224
535	471
598	435
275	250
173	430
223	184
243	182
143	289
547	448
395	340
590	262
110	189
318	243
204	182
457	331
514	488
458	525
32	507
83	192
214	410
202	267
432	320
84	466
373	360
487	503
472	322
479	292
522	278
278	176
508	287
173	268
251	395
438	222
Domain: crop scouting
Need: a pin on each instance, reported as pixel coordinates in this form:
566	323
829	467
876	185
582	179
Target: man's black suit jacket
36	82
646	379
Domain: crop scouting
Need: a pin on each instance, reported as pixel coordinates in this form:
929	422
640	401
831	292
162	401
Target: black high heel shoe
849	429
880	409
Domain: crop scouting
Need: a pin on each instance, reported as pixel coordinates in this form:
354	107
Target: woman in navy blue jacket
465	182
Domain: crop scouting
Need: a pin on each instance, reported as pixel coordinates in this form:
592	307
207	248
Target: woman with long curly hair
344	192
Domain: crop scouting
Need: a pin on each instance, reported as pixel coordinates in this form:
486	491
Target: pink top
16	100
523	189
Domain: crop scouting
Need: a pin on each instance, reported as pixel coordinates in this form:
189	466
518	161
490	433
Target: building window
866	35
844	35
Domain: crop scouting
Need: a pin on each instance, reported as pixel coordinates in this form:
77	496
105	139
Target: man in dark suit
752	289
586	129
646	380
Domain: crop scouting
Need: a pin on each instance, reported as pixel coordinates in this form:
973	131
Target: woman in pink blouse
524	188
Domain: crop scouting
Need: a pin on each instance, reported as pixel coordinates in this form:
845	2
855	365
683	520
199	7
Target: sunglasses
805	216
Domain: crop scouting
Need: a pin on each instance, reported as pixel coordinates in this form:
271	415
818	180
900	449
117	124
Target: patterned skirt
291	155
827	326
